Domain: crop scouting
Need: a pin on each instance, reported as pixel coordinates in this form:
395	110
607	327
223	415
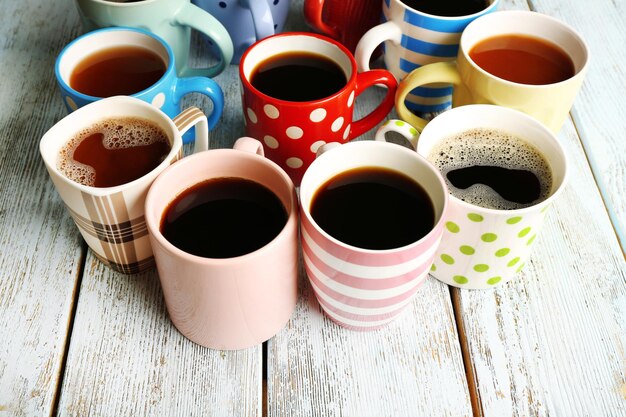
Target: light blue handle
261	16
205	86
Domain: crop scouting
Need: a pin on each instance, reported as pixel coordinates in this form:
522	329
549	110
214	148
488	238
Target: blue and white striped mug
412	39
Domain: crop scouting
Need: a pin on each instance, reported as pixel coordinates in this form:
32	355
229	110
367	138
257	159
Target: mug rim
98	32
487	9
410	153
153	221
527	120
533	15
247	84
102	191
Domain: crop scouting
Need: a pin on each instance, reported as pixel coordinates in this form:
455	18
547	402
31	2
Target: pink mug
365	289
229	303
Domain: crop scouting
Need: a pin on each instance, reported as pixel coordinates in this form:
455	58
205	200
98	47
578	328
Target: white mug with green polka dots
484	247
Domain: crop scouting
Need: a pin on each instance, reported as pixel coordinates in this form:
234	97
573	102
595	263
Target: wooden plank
552	341
412	367
127	358
40	248
599	112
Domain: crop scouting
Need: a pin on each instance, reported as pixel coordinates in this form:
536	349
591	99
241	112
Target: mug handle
439	72
313	15
261	16
200	20
388	31
399	126
205	86
248	144
364	80
193	117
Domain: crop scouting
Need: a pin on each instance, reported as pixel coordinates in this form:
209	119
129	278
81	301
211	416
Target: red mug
292	131
343	20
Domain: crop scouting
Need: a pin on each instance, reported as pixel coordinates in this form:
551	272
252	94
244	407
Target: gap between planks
470	375
69	329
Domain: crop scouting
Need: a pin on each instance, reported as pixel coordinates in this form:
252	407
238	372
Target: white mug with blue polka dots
165	94
486	247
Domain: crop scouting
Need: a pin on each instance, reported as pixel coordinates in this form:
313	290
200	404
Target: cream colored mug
548	103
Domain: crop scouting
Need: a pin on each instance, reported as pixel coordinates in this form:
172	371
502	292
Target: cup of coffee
131	62
372	216
420	32
171	20
343	20
102	158
518	59
503	169
224	230
246	21
299	92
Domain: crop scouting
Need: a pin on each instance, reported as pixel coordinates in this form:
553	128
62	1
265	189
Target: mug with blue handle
165	94
246	21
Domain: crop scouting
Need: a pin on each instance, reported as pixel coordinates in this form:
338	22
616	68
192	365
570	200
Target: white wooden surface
77	339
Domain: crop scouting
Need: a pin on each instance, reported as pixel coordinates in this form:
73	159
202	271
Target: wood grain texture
127	358
40	248
412	367
599	112
552	341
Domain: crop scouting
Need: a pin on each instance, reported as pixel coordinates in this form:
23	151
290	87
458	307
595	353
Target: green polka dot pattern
447	259
413	131
481	268
433	267
524	232
467	250
531	240
460	279
502	252
475	217
489	237
513	261
453	227
494	280
514	220
400	123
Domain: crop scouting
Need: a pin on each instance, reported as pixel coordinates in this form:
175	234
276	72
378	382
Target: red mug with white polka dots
292	130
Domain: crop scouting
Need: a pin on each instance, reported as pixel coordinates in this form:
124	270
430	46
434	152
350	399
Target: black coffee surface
223	218
298	76
514	185
373	208
447	8
493	169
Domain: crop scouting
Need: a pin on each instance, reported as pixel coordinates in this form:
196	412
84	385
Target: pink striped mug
365	289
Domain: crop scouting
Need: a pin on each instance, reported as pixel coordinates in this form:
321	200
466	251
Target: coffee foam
490	147
118	133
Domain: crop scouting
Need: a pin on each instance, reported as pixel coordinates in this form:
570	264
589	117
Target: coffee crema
523	59
121	70
298	76
373	208
493	169
223	218
113	152
448	8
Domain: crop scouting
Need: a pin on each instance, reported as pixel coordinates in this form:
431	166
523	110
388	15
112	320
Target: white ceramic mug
111	219
484	247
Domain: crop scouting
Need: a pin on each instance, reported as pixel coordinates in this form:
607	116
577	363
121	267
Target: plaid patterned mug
111	219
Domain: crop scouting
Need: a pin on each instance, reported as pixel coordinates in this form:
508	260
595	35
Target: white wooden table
77	339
